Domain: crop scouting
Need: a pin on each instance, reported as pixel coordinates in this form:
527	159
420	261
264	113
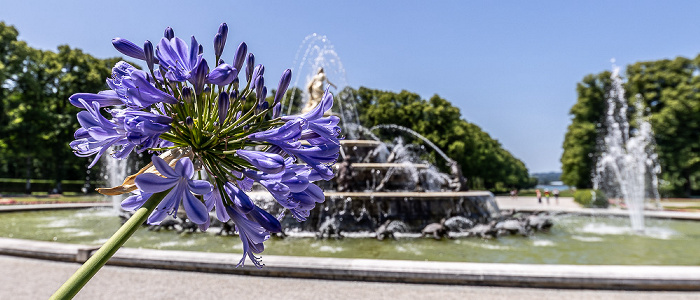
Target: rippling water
572	240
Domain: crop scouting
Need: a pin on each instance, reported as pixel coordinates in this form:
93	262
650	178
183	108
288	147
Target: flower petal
196	210
152	183
135	202
199	187
163	167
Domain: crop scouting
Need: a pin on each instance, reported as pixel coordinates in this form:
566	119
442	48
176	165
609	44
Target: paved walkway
565	203
23	278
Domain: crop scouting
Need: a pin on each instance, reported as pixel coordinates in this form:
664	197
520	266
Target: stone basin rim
604	277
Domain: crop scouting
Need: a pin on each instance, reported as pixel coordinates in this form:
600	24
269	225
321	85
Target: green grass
37	199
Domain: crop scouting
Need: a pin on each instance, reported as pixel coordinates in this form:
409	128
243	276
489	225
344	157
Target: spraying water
416	134
316	51
115	170
628	166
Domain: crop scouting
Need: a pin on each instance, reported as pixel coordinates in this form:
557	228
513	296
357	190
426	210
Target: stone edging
676	278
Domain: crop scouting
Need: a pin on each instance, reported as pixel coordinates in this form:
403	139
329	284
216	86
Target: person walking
546	195
539	196
556	196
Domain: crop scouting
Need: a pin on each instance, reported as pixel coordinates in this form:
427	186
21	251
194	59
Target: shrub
585	198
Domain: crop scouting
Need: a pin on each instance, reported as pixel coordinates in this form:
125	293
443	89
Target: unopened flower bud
187	94
234	95
235	83
249	67
220	39
200	76
169	33
128	48
258	71
148	53
239	58
276	110
223	106
259	86
207	89
189	122
283	85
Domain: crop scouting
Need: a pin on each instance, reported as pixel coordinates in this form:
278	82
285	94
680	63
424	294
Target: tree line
670	89
484	162
37	122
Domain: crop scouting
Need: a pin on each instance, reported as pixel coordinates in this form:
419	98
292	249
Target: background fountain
628	166
378	181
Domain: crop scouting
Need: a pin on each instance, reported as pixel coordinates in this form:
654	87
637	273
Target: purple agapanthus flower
181	105
97	133
183	188
321	133
179	60
134	87
142	128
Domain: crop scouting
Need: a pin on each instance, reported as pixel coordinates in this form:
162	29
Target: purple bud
258	71
200	76
283	85
239	58
221	61
169	33
148	53
249	67
187	94
207	89
128	48
263	105
234	95
259	85
235	83
238	114
201	49
218	44
220	39
189	122
276	110
223	106
267	162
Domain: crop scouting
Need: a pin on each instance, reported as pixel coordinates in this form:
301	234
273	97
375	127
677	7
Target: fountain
377	182
628	166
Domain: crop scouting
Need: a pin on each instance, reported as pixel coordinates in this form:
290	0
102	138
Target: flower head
197	118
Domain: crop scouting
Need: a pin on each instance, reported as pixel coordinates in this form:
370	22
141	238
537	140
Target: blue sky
510	66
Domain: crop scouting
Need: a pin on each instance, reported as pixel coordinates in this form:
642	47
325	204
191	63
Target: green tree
671	91
580	148
483	160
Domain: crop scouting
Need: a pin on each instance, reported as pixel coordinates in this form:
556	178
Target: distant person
514	194
556	196
546	195
539	195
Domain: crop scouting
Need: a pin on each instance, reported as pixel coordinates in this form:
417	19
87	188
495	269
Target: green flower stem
76	282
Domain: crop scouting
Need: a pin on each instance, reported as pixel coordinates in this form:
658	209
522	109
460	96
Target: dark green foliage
36	120
484	162
578	159
585	198
671	93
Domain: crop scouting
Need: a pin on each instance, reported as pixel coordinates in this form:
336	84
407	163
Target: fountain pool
573	240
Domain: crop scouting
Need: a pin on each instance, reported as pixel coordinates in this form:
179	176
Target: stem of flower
76	282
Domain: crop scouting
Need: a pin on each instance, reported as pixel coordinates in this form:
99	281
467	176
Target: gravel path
23	278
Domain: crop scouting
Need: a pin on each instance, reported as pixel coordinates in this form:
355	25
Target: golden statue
315	89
